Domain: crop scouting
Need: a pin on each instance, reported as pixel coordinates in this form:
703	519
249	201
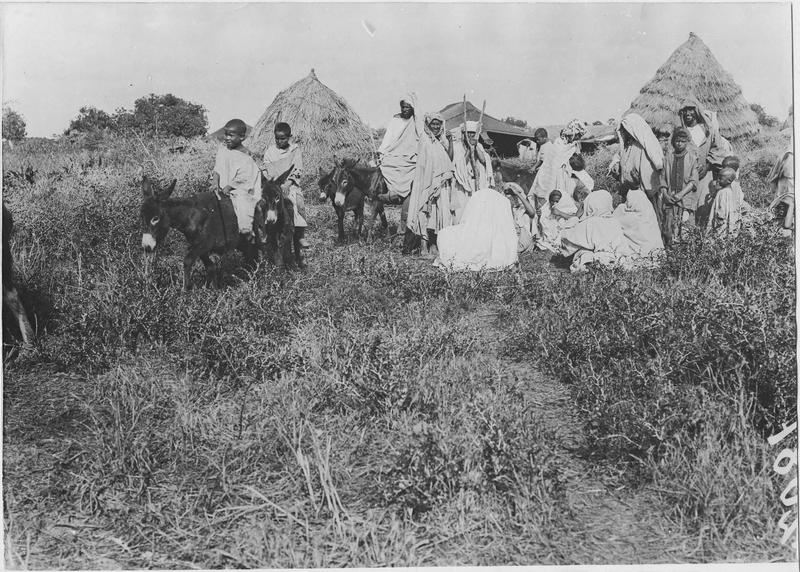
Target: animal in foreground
208	223
277	214
350	187
11	299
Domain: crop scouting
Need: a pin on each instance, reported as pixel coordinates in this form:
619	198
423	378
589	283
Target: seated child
524	213
236	175
679	186
579	176
557	214
279	157
726	211
579	197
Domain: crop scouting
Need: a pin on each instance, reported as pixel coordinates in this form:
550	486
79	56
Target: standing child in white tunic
277	159
236	175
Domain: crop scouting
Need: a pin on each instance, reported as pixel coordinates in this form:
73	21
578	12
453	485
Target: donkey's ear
147	187
169	190
282	178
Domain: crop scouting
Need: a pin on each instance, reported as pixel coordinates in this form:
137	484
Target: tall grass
374	410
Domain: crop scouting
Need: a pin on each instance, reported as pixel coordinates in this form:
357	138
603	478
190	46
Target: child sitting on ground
236	175
679	186
558	213
726	211
277	159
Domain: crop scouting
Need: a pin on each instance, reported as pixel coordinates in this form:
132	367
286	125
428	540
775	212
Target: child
277	159
236	175
579	177
579	197
663	133
524	213
557	214
538	193
678	186
726	210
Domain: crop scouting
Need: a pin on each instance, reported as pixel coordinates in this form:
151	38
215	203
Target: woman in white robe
486	237
598	237
639	224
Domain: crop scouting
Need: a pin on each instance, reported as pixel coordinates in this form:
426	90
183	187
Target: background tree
89	120
515	122
763	118
163	115
13	125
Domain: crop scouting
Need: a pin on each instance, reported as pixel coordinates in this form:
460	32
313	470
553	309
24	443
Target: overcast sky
545	63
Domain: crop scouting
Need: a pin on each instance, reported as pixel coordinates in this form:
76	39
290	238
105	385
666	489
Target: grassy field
373	410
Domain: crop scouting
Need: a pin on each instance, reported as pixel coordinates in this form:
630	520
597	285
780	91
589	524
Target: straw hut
322	124
693	70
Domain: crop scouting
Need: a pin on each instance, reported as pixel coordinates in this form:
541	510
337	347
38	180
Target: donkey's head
272	196
344	180
154	217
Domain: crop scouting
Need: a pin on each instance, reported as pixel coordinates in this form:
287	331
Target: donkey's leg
188	263
299	234
287	236
358	212
212	275
340	222
12	301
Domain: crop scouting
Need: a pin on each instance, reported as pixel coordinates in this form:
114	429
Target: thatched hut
693	70
322	124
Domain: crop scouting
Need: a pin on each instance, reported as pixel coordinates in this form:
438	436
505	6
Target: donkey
10	296
351	186
516	174
208	222
276	218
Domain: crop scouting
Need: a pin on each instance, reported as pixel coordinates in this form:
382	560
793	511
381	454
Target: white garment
698	134
238	170
486	238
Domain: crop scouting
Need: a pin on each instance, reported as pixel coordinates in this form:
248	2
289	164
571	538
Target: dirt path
612	524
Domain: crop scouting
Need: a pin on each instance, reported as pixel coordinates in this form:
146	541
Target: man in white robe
398	155
466	181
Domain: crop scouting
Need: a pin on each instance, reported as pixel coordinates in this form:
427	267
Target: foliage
597	122
90	119
515	122
374	410
164	115
13	125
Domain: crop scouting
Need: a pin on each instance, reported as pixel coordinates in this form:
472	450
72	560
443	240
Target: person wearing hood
397	155
640	162
429	205
598	237
467	153
711	146
639	225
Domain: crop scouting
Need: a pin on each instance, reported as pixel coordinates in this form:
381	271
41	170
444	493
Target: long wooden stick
470	150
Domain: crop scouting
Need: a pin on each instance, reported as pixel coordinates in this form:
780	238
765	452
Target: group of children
238	176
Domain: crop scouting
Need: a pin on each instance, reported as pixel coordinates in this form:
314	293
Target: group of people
458	209
237	175
672	179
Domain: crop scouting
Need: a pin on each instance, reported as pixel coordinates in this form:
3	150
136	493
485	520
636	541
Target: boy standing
726	211
679	186
237	176
277	159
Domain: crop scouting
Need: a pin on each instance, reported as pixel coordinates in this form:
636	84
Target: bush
13	125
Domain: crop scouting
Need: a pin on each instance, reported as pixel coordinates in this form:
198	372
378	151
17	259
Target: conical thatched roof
322	124
692	70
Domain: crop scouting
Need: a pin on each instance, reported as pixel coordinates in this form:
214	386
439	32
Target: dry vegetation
375	411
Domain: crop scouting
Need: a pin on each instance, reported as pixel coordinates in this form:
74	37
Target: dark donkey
277	216
11	299
208	223
350	186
